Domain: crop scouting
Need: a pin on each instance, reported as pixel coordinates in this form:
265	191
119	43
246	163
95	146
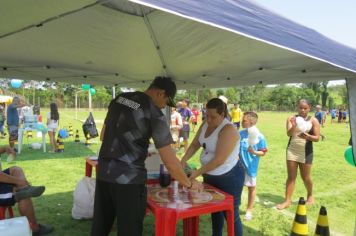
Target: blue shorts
13	132
7	197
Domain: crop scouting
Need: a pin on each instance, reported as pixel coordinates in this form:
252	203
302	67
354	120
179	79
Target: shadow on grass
71	150
269	200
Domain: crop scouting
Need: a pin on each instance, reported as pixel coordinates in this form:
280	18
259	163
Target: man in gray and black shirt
132	119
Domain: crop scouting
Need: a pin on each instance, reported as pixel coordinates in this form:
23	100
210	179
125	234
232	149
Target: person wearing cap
132	119
13	120
225	100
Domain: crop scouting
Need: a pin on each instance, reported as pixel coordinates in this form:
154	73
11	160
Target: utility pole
89	100
113	92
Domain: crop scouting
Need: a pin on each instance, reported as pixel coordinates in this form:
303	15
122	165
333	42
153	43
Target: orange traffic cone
300	225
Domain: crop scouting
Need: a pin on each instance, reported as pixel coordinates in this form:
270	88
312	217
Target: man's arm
174	167
5	178
102	133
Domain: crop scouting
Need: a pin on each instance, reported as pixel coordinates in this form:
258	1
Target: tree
232	94
324	93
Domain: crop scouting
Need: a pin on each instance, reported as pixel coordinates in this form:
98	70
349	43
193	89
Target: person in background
250	156
133	118
220	163
2	122
187	117
333	115
236	115
300	152
52	125
195	117
37	112
225	100
339	117
344	115
13	120
319	115
203	112
14	187
176	126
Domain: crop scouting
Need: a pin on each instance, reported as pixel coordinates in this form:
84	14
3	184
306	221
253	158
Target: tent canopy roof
200	44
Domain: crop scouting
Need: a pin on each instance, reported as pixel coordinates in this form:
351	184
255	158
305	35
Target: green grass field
334	181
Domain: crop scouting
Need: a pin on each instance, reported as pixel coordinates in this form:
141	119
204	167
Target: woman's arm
316	131
291	125
192	149
227	140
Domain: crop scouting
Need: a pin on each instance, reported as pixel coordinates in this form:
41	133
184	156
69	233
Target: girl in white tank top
209	148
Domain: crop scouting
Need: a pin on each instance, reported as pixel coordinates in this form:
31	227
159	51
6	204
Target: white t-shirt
209	149
53	124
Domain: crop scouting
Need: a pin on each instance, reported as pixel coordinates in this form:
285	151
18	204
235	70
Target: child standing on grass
250	156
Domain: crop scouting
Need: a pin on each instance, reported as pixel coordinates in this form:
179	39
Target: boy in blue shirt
250	156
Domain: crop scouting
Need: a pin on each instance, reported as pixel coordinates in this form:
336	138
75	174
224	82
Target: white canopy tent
199	43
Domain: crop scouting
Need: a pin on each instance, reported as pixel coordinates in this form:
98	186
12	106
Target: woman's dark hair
54	111
304	101
218	104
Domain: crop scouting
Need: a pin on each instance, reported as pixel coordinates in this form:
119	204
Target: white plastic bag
83	201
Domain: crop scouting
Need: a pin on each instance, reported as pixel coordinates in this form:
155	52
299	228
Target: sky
334	19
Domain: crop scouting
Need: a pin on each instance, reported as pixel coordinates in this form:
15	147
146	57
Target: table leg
44	141
165	224
19	140
88	169
230	222
191	226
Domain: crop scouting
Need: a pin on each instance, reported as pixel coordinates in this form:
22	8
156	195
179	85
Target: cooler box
153	162
15	227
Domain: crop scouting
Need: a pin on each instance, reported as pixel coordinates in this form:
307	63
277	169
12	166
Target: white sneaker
248	215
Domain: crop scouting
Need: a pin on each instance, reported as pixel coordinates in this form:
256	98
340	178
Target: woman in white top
52	125
219	158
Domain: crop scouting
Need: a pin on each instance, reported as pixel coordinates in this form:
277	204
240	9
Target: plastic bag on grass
89	127
83	199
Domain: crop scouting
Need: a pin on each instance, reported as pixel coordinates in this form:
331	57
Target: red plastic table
89	164
167	218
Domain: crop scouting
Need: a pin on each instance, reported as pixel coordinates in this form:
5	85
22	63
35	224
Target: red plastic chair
3	212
